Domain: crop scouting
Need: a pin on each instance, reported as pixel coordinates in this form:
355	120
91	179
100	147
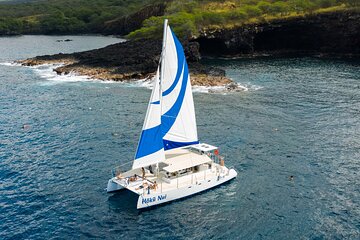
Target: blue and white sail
178	113
150	148
170	119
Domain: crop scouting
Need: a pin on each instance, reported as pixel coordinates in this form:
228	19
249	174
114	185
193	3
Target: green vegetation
64	16
188	17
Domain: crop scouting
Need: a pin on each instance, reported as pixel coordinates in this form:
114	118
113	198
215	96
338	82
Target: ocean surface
61	136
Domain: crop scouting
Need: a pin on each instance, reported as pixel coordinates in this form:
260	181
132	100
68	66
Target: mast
162	62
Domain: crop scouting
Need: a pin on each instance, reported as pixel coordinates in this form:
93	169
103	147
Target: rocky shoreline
131	61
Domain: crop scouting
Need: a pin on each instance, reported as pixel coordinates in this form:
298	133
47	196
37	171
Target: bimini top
204	147
182	161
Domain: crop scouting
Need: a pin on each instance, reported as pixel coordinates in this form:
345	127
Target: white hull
159	197
145	201
113	187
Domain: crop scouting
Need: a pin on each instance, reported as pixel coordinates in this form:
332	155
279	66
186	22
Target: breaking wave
46	71
237	87
11	64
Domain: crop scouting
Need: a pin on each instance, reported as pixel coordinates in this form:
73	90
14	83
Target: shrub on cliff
302	5
326	3
210	18
252	11
10	26
279	7
238	15
265	7
182	23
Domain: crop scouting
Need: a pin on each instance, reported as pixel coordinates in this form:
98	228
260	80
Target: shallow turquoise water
300	117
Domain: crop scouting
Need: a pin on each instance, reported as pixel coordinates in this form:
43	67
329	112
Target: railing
121	169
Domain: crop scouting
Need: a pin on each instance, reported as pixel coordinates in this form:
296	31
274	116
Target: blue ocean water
300	117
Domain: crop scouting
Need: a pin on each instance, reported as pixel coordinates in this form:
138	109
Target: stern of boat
113	186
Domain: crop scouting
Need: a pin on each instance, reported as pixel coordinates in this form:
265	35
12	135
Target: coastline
69	65
131	61
134	60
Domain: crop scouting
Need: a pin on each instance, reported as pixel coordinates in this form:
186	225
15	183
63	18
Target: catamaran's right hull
149	200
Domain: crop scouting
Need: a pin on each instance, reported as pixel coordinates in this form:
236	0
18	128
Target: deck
141	186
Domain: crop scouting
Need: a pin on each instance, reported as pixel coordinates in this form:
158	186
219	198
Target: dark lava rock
138	57
192	52
336	33
130	60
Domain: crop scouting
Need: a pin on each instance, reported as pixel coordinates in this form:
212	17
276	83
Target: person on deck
143	172
151	169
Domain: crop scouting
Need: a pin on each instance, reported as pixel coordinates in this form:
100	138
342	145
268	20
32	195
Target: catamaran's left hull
113	187
149	200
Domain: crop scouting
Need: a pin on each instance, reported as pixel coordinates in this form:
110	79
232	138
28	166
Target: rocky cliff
336	33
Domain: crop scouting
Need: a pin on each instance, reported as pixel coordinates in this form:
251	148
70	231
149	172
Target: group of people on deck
146	183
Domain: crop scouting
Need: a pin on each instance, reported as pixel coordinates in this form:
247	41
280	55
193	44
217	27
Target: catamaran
170	162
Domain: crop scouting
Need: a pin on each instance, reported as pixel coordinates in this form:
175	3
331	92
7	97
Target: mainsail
170	119
178	114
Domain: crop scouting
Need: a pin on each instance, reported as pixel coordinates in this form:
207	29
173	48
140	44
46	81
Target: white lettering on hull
158	198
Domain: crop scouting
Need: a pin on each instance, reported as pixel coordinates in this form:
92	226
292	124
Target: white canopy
204	147
184	160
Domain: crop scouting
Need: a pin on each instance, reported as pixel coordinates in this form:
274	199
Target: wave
237	87
46	71
220	89
250	86
10	64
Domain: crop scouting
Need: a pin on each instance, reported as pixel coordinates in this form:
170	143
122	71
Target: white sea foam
249	86
219	89
46	71
148	83
11	64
